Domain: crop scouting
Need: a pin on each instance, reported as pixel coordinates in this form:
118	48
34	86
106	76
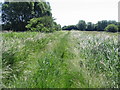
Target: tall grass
60	60
99	54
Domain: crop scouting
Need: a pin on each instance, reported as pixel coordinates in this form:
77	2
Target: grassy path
59	60
34	54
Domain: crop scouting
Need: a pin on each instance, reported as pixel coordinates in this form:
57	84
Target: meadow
62	59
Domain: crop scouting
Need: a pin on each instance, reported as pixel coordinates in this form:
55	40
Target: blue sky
68	12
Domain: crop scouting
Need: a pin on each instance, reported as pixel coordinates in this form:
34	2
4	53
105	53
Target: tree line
104	25
23	16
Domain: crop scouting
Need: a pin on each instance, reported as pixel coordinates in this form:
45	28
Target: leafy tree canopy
43	24
15	15
111	28
81	25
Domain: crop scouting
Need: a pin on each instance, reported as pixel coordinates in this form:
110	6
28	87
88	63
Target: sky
69	12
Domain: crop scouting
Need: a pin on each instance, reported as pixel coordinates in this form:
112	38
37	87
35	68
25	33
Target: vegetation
83	26
118	26
16	15
37	16
42	24
60	60
90	26
70	27
111	28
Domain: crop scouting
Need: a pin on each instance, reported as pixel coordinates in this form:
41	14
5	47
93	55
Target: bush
56	27
43	24
70	27
111	28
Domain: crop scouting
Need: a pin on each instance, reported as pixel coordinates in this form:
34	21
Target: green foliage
43	24
99	52
90	26
70	27
111	28
17	14
118	26
56	27
33	56
81	25
101	25
112	22
60	60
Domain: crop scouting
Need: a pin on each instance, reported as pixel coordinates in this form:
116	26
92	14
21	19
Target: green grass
75	59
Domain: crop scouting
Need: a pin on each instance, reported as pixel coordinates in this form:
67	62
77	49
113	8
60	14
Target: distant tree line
23	16
103	25
70	27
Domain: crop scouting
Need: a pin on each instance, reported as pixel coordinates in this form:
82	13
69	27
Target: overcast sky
68	12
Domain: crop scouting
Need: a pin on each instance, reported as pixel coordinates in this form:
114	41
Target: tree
70	27
43	24
90	26
118	26
111	28
112	22
102	24
81	25
95	27
17	14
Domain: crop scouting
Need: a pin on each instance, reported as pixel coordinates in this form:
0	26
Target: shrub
70	27
42	24
56	27
111	28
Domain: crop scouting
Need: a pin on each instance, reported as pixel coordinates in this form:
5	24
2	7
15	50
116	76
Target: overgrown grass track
60	60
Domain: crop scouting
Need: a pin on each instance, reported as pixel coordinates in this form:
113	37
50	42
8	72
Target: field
63	59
